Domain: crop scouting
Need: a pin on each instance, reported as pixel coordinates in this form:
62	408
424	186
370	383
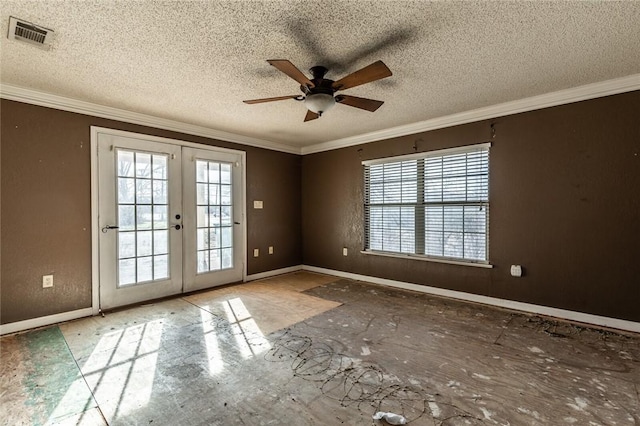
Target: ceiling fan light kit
319	92
319	102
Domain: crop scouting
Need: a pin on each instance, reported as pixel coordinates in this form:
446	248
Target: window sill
427	259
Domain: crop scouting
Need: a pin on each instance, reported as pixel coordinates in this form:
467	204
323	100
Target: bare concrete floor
309	349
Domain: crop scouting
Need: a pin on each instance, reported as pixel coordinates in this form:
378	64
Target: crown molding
561	97
34	97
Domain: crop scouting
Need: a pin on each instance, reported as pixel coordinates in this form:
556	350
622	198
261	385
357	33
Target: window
432	204
143	218
214	234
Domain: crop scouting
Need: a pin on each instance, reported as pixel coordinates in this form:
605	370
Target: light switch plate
256	252
257	204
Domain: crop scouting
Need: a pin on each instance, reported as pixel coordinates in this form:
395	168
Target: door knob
177	227
106	228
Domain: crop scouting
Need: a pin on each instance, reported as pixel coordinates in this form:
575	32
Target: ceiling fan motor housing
320	84
319	97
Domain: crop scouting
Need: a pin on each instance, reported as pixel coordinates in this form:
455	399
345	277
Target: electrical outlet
516	270
257	204
345	251
256	252
47	281
270	249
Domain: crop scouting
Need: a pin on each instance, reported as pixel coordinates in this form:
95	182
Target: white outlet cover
270	249
345	251
516	270
257	204
47	281
256	252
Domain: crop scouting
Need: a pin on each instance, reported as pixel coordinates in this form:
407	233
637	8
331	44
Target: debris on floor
391	418
309	349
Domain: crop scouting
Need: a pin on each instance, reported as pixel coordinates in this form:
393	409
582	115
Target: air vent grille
30	33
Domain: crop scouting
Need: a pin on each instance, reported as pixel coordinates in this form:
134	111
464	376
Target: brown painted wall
46	207
564	203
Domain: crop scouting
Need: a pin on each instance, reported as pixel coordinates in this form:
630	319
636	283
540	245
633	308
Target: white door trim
95	252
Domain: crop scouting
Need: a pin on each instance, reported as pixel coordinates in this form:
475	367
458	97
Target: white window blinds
433	204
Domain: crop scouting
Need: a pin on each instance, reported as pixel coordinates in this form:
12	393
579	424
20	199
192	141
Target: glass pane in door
214	216
143	217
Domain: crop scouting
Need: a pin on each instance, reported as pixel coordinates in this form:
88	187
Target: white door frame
95	251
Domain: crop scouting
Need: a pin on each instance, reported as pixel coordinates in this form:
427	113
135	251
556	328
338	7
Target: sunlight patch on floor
216	363
121	368
248	336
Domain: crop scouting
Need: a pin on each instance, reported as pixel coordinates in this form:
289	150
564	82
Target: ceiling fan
318	92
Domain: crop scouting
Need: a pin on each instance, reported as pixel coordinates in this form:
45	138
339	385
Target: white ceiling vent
30	33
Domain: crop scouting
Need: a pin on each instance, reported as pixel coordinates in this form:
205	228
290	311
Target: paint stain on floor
41	383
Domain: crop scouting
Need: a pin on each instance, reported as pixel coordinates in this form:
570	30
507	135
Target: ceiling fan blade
362	103
311	116
289	69
277	98
370	73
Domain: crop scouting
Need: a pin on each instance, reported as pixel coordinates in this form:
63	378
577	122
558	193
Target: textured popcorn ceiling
196	61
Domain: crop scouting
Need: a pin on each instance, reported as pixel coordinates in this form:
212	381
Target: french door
169	218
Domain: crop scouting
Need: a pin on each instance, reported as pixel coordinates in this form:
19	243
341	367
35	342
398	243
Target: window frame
420	228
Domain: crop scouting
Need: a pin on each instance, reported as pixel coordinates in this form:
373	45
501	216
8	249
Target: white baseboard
15	327
582	317
273	273
18	326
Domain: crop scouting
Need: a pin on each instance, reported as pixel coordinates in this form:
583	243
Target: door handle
176	226
106	228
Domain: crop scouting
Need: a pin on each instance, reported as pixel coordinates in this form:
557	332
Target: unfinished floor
310	349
